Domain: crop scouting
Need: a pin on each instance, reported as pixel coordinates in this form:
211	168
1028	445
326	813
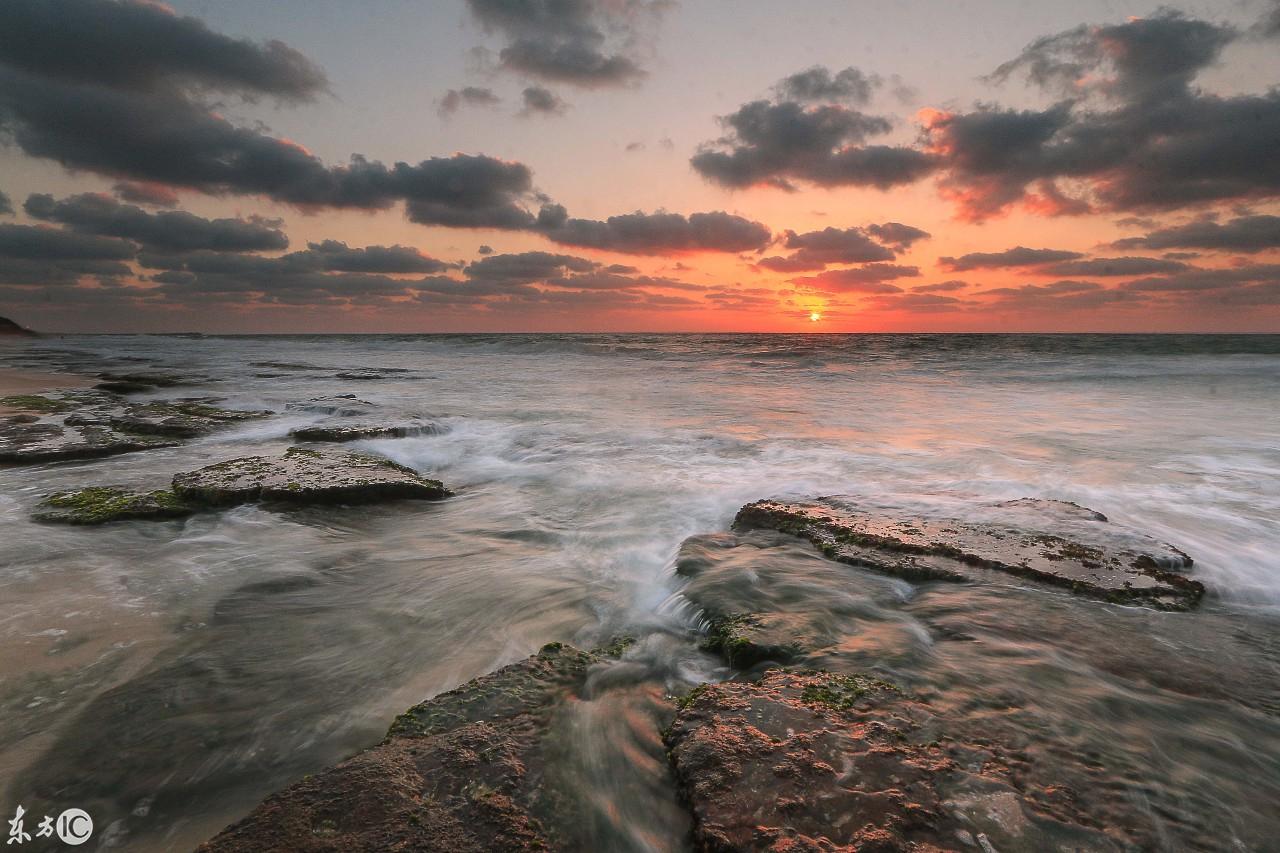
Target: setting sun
814	317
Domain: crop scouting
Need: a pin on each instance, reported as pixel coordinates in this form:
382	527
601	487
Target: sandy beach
35	382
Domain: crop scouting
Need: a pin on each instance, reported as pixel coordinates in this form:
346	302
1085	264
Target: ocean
167	676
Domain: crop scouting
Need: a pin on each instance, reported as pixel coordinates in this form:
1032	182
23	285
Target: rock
1097	561
90	424
8	327
809	761
461	772
305	476
337	405
102	504
356	432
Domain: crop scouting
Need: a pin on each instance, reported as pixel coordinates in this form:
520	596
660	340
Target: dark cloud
1113	267
527	267
818	84
1268	26
35	242
540	101
917	301
39	256
941	287
815	250
337	256
1132	133
774	144
168	231
872	278
145	46
1059	295
469	96
156	195
484	250
1243	234
657	233
585	43
6	206
1018	256
1208	279
899	236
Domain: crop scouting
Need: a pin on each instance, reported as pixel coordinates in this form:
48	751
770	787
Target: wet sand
36	382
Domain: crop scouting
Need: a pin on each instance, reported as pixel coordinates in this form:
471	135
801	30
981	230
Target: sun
814	317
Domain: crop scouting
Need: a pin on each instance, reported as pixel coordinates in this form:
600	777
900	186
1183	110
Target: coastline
14	382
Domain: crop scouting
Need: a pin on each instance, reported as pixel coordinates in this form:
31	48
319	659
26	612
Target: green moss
35	403
692	696
99	505
841	692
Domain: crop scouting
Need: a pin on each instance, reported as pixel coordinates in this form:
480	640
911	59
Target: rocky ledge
358	432
300	476
461	772
90	424
1024	538
810	761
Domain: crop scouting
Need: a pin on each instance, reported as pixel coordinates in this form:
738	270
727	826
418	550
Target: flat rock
461	772
335	405
357	432
305	476
103	504
1067	546
813	761
90	424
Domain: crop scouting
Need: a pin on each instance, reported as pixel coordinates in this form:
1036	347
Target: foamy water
259	646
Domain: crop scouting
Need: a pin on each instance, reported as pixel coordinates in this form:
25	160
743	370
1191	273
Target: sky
639	165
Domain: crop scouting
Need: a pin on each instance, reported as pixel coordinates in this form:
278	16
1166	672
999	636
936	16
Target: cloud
814	250
1059	295
1131	133
1019	256
818	84
156	195
540	101
1113	267
470	96
585	43
40	256
169	231
526	267
6	206
338	256
897	235
774	144
941	287
1244	234
872	278
484	249
916	301
144	46
657	233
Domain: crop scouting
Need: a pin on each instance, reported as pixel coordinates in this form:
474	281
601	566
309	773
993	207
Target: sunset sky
639	165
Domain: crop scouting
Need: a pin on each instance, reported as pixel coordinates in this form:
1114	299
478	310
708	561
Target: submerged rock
462	772
336	405
808	761
90	424
1100	562
357	432
102	504
306	476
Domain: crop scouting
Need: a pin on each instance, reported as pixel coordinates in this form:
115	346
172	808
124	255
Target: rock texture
461	772
357	432
90	424
1093	560
813	761
305	476
103	504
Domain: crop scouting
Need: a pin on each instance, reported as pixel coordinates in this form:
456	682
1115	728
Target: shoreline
14	382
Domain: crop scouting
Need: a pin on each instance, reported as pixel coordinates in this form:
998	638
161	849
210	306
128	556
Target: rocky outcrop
1027	539
10	328
358	432
136	383
461	772
90	424
305	476
335	405
809	761
103	504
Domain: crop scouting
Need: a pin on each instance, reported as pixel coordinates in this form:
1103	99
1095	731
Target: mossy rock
103	504
36	403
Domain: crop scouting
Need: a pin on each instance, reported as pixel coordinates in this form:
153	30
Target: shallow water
165	676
